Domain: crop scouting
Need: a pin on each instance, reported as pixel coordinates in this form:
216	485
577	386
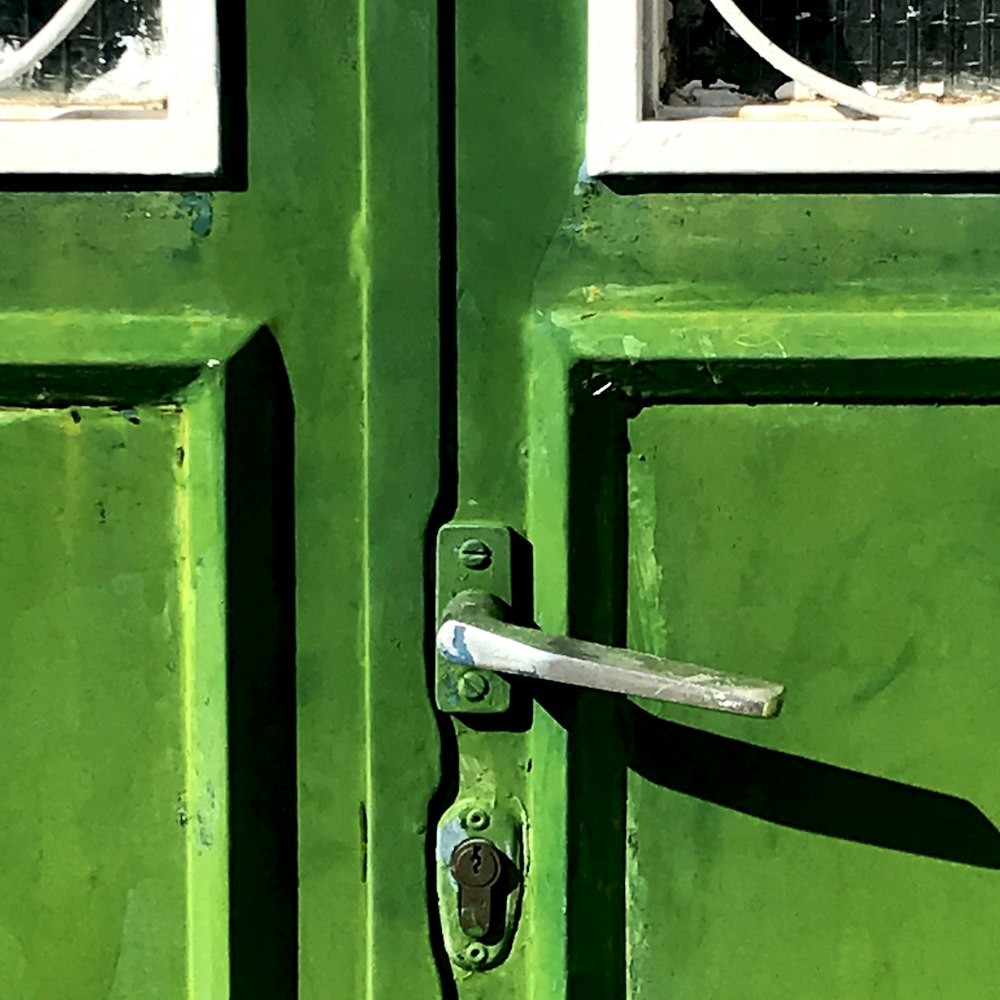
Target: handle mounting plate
472	556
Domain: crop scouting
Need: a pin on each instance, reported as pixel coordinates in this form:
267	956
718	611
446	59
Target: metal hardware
477	866
479	881
474	553
474	635
476	819
474	685
476	955
472	556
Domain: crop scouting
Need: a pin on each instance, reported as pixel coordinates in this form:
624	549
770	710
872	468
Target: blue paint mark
199	207
459	651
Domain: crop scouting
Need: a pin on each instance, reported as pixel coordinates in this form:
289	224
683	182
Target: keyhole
477	859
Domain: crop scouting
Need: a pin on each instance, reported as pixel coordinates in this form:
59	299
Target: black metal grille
891	42
94	48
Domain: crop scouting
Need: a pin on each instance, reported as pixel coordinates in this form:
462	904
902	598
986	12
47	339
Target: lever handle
474	634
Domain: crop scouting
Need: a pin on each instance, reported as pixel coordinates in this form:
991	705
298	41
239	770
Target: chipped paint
200	209
452	644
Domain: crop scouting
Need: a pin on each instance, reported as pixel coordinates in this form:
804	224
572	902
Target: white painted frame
620	141
184	140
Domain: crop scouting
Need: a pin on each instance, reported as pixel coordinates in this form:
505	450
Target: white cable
842	93
36	48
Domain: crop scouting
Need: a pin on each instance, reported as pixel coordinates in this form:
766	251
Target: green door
823	522
755	431
204	542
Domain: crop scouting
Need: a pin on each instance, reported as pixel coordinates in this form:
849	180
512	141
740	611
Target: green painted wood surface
851	553
343	187
98	821
306	441
555	273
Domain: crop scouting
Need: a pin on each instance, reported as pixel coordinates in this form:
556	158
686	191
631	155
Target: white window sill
721	146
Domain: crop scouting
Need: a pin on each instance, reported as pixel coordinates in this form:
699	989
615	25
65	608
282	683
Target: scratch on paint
633	347
363	823
645	568
907	658
761	343
204	833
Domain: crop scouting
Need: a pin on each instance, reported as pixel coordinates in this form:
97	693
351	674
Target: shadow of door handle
474	633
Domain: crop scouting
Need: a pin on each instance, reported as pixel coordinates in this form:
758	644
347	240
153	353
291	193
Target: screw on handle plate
477	866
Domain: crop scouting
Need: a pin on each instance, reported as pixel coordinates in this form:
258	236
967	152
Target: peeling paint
453	647
201	212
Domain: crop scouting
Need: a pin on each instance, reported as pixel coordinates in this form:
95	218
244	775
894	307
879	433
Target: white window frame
182	141
620	141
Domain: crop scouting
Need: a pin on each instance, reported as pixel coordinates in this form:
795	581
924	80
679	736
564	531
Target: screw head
476	954
477	819
473	685
474	553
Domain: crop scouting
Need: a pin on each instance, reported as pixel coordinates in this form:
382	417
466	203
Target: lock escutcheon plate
480	860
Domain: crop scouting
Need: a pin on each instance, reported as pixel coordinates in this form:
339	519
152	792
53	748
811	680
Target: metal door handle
474	634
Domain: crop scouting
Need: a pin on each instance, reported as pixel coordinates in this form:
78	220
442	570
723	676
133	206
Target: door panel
848	848
113	827
310	599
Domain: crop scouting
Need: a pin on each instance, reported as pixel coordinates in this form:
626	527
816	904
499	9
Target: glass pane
115	55
891	43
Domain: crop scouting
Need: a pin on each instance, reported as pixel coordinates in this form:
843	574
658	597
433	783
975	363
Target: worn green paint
186	340
453	577
121	287
397	236
850	552
122	873
560	281
334	249
957	365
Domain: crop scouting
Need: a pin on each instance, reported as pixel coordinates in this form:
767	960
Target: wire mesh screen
893	43
95	48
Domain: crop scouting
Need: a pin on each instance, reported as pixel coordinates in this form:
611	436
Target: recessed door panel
848	848
114	785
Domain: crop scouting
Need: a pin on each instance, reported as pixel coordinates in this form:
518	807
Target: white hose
842	93
36	48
